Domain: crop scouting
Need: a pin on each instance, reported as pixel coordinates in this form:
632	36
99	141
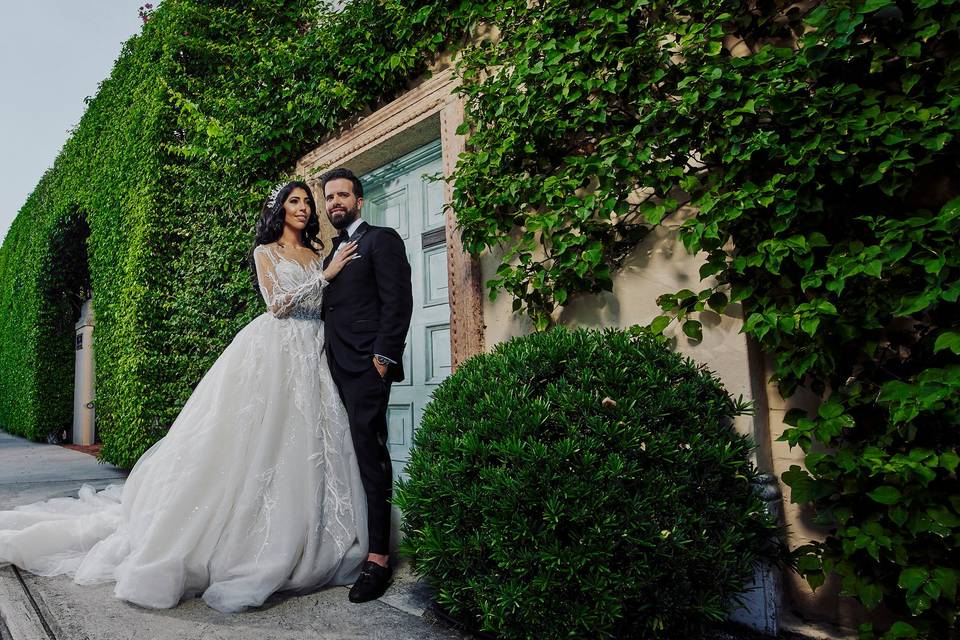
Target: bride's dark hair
270	225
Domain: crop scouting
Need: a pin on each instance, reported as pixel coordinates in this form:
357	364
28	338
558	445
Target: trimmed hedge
584	484
98	181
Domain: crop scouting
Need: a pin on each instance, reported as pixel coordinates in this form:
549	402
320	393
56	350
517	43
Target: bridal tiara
276	194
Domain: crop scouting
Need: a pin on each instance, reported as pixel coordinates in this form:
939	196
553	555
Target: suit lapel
362	228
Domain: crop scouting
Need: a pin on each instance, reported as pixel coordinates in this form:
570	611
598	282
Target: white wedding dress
253	490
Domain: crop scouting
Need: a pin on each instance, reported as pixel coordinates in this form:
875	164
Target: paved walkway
34	608
30	471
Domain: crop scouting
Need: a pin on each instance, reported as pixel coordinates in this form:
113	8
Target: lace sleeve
281	301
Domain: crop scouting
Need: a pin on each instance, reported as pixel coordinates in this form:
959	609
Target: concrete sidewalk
30	471
34	608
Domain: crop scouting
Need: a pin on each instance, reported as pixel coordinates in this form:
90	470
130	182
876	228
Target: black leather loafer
372	583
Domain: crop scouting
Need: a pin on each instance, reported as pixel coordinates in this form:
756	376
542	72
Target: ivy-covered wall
99	185
203	112
817	143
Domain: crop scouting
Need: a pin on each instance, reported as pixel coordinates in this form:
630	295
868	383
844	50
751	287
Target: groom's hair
341	172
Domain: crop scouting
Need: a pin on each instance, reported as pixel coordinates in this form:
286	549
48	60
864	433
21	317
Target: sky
53	54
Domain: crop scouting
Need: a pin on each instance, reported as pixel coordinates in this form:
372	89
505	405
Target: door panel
435	275
438	353
433	204
392	210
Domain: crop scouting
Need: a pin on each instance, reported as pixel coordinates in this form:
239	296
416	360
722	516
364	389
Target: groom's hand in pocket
381	368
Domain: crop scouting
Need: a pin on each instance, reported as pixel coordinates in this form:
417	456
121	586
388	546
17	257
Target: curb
20	617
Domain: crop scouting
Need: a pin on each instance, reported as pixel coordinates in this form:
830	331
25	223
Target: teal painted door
399	196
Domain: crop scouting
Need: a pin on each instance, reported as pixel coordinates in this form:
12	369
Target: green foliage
95	187
817	149
816	170
554	111
257	86
575	484
203	113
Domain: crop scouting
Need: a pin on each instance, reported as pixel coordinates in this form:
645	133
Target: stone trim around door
427	112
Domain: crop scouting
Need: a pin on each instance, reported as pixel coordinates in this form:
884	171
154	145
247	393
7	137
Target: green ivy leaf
659	324
947	580
899	515
947	340
885	495
949	461
918	603
740	292
717	301
912	578
901	629
693	329
830	409
943	516
214	130
870	594
869	6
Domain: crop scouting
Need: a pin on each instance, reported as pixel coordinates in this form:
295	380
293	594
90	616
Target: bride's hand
339	260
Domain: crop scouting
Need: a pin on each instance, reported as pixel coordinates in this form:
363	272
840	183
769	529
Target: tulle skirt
254	489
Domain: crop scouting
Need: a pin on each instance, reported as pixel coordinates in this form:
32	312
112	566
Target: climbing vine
811	150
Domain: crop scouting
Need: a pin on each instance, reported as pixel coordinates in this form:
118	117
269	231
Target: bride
255	487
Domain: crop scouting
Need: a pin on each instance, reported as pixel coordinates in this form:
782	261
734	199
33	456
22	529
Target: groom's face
343	207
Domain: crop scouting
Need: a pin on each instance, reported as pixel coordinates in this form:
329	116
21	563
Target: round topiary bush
583	484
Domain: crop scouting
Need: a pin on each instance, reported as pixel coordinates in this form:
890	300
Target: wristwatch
382	360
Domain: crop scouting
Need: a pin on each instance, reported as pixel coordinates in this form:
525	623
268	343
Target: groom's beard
341	219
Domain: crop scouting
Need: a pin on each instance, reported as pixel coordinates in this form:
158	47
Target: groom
366	311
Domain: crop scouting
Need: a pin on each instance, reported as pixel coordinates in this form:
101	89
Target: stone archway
66	291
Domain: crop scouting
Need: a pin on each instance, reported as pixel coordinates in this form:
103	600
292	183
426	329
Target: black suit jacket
367	306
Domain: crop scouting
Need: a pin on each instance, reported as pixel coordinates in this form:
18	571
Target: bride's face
296	209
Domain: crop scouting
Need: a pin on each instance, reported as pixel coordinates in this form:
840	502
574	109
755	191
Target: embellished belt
300	313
